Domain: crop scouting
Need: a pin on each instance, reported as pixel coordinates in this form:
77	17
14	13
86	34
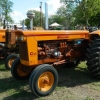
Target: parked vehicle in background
8	46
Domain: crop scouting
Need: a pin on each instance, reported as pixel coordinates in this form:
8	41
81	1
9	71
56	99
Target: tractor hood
2	35
50	32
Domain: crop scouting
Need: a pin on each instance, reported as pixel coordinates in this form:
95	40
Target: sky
20	7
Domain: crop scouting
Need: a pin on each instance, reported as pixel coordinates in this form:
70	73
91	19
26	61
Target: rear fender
94	34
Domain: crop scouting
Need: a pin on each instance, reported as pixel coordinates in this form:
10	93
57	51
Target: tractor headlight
16	38
21	38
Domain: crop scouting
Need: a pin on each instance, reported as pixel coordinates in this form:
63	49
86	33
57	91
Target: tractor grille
23	50
10	37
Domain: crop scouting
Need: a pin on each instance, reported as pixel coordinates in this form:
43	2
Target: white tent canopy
55	24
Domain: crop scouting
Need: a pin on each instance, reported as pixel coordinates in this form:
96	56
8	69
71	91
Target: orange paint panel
2	35
52	32
82	36
32	50
62	36
27	63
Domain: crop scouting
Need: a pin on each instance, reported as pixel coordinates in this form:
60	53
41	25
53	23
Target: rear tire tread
93	58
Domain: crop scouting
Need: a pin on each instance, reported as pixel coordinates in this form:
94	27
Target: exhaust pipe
46	16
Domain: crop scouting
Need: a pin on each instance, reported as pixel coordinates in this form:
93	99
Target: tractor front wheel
20	71
43	80
9	60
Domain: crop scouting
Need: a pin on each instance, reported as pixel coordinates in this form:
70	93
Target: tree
55	18
27	22
65	11
36	19
6	7
84	9
95	20
63	16
89	8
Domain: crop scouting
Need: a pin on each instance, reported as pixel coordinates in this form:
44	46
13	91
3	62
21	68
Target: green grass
74	84
88	98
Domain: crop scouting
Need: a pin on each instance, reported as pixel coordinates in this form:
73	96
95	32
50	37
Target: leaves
6	7
36	19
85	10
72	13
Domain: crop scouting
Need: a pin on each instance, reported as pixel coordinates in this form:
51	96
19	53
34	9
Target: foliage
63	16
55	18
6	7
84	11
65	11
72	13
36	19
27	22
94	20
10	19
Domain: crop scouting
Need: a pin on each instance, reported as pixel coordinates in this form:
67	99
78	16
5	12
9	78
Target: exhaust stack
46	16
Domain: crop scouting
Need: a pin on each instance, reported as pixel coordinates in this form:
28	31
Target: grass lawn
74	84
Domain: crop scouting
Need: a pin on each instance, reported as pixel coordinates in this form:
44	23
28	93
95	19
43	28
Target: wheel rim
45	81
10	62
23	70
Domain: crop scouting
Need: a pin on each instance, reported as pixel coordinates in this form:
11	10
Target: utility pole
6	17
41	14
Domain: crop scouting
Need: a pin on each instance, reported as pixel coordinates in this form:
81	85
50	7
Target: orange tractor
8	47
41	52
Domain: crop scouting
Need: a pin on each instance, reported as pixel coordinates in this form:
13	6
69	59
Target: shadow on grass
71	77
17	90
23	95
68	77
1	61
2	67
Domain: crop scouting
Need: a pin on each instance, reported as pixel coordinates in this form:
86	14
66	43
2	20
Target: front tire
9	60
20	71
43	80
93	58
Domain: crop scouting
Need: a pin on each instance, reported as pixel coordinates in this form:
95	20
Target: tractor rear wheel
20	71
9	60
93	58
43	80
